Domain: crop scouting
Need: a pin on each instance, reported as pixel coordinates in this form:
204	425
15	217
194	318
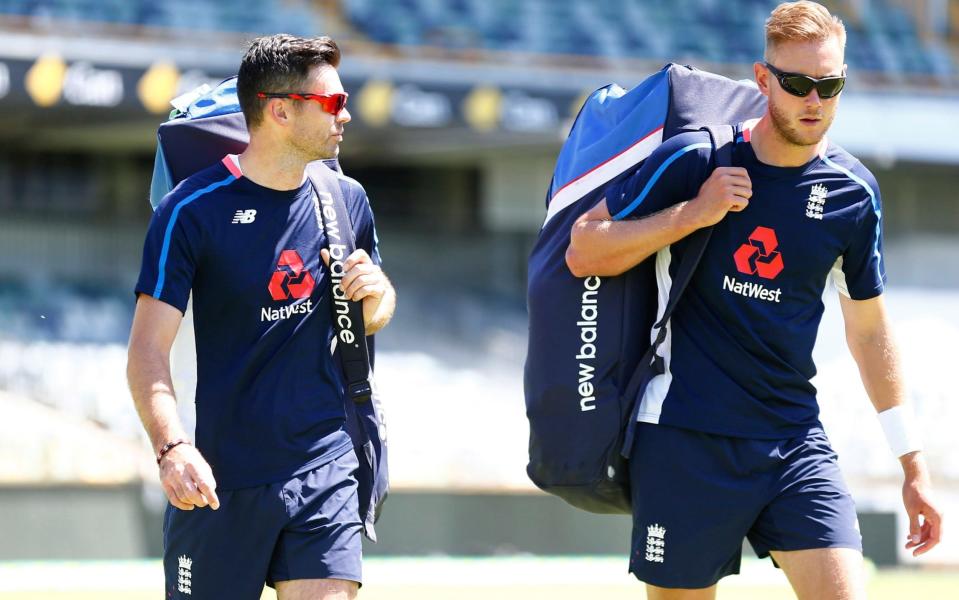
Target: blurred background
459	109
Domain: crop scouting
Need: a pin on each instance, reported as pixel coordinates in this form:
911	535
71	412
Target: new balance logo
244	217
655	543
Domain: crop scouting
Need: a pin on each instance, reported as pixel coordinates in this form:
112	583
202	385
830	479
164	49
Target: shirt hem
313	463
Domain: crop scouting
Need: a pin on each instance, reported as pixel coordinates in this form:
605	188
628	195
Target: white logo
816	202
655	543
588	332
268	313
752	290
244	216
184	581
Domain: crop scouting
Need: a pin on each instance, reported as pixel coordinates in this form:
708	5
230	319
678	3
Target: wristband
170	446
902	434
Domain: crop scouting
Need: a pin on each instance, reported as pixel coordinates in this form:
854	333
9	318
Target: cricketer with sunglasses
729	443
268	493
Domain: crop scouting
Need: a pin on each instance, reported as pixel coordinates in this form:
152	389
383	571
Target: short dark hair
279	63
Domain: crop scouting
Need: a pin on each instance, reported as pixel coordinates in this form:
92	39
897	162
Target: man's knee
316	589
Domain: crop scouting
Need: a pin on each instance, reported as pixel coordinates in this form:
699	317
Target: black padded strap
350	331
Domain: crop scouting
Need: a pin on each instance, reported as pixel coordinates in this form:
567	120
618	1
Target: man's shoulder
839	159
204	182
687	141
353	190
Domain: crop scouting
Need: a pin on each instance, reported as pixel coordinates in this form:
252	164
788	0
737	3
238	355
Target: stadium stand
883	36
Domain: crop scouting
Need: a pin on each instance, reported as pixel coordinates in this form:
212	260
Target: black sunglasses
800	85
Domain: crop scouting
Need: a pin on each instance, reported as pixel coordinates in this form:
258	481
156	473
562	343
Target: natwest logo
759	256
291	279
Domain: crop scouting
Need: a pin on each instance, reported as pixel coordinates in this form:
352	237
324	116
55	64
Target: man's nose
344	116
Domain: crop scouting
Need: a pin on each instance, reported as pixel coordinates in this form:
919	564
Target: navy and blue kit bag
205	126
591	349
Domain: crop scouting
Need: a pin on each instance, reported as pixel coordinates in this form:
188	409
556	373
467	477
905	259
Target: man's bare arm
870	340
600	246
186	477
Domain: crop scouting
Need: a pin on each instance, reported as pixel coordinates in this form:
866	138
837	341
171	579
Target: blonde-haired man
729	443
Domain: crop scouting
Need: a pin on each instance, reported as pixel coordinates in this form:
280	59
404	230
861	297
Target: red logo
291	279
759	256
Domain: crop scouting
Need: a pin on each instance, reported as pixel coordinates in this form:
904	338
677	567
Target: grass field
524	578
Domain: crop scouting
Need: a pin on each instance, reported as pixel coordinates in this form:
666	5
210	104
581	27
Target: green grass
461	579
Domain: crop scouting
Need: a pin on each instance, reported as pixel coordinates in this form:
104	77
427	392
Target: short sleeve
671	174
170	254
361	215
862	272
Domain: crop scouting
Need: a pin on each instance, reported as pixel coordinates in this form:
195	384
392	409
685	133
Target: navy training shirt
738	350
269	397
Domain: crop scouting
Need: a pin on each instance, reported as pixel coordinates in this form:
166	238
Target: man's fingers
742	191
365	281
325	255
209	492
359	256
171	495
915	532
375	291
358	271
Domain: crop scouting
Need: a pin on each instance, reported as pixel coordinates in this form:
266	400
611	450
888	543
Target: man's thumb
915	532
325	255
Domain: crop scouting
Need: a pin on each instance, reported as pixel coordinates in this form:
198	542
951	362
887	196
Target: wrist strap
902	433
170	446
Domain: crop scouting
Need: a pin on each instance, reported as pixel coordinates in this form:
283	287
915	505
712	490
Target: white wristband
899	425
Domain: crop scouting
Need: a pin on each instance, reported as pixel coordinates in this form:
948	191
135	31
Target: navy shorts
697	495
304	528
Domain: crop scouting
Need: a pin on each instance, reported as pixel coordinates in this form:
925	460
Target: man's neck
772	149
272	166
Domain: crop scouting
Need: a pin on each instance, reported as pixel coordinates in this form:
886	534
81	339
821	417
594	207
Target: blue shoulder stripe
872	196
652	180
165	250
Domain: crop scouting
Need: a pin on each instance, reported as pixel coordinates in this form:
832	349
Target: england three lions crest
816	202
655	543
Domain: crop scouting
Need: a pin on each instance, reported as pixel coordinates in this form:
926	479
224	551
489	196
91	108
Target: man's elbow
582	265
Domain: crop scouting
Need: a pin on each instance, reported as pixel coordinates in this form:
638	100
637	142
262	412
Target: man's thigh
694	498
316	589
322	540
221	553
824	573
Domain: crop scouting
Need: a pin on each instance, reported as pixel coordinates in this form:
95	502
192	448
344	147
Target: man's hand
187	479
925	520
361	277
364	280
728	189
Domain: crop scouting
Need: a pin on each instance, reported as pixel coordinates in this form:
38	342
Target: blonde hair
802	21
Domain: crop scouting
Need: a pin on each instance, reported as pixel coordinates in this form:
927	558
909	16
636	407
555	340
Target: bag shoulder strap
722	138
350	332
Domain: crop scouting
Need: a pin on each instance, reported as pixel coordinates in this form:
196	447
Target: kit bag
590	353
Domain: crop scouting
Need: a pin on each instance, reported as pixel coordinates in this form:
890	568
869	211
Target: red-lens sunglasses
331	103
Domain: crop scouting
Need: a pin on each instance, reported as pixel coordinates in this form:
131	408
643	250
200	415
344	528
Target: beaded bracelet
170	446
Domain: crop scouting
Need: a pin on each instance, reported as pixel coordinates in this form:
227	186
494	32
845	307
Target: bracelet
170	446
902	434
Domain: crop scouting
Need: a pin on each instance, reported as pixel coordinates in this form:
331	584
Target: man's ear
761	74
277	111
